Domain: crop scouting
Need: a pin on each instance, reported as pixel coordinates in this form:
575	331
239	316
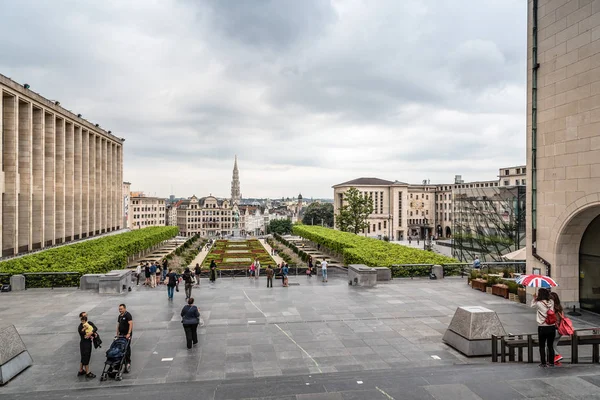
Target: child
87	328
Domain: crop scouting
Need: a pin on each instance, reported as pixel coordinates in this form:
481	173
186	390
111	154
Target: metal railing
513	347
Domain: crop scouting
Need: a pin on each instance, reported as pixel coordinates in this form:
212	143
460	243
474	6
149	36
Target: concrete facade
60	175
206	216
146	211
563	116
401	209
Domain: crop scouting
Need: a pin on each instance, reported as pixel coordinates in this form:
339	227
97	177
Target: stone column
59	206
92	184
103	145
77	153
122	222
11	176
69	180
85	182
98	183
24	162
37	198
49	186
109	181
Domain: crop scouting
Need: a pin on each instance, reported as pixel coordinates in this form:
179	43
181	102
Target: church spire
236	195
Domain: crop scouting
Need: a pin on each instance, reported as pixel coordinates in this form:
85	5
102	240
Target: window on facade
427	212
374	228
506	183
523	181
379	225
427	197
411	196
506	172
411	214
516	182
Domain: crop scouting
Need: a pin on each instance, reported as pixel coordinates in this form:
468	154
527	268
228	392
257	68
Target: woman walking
87	330
213	271
558	310
546	320
190	318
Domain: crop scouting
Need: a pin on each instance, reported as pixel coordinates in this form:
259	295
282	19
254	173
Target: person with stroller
87	330
125	328
190	318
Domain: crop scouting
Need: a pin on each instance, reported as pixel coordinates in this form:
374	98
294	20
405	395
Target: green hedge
372	252
94	256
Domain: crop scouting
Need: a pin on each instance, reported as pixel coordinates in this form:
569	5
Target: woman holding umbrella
546	320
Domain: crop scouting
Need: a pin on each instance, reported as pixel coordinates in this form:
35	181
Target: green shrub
93	256
356	249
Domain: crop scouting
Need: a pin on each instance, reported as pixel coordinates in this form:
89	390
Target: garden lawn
237	254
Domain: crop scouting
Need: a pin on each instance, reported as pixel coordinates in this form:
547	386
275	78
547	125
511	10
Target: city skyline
414	97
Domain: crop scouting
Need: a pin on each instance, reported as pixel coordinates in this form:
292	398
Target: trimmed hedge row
372	252
94	256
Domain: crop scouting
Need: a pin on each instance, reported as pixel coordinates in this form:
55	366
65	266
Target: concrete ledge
90	282
470	348
361	275
115	282
14	356
383	274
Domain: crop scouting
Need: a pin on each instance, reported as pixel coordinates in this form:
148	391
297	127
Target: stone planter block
14	357
17	283
361	275
471	330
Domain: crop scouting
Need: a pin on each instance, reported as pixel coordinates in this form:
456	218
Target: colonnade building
61	177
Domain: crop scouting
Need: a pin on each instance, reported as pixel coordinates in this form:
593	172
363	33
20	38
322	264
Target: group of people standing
89	336
552	324
154	273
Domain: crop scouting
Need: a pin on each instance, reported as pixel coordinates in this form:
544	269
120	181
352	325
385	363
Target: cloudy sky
307	93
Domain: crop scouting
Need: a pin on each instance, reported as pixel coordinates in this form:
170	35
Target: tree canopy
280	226
318	214
352	216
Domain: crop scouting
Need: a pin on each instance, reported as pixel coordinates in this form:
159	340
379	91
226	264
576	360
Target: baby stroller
115	365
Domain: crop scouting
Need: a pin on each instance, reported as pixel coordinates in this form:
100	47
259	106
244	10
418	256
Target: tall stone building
236	194
61	175
563	146
421	210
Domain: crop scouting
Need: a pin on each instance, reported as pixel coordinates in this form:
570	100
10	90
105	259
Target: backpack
187	277
565	327
550	317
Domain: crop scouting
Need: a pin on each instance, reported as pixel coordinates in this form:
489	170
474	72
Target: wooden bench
479	284
500	290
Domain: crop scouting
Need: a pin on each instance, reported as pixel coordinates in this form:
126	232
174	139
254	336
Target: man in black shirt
125	328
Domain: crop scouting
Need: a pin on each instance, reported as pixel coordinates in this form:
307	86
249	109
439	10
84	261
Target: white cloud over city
307	93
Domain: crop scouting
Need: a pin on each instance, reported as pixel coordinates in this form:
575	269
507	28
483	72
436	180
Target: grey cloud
272	24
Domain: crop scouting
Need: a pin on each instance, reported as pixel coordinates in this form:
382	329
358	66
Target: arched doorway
575	267
589	267
448	232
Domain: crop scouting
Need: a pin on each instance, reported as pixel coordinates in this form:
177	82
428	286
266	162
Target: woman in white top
546	332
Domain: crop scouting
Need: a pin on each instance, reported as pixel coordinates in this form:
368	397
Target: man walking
125	328
270	274
153	275
172	282
324	270
189	282
257	266
285	270
197	272
138	272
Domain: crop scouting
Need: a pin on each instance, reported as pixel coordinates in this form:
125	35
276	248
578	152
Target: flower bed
356	249
94	256
237	254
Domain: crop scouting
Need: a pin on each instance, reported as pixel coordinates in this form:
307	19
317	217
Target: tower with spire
236	195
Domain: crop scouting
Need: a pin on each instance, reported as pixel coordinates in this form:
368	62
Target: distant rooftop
367	181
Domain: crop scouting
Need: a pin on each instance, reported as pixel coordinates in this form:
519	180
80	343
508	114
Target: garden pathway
268	248
200	257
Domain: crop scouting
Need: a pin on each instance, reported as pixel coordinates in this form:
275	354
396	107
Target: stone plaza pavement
314	332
